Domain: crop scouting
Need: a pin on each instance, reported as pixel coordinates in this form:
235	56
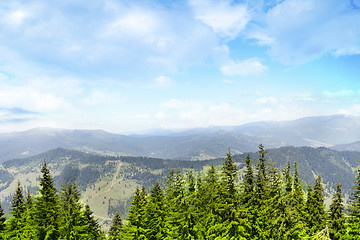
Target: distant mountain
202	143
107	183
355	146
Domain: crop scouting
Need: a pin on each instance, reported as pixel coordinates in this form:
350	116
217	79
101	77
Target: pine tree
248	183
29	232
71	222
136	219
47	208
354	208
16	222
116	227
155	214
336	216
315	208
209	199
92	227
2	222
260	218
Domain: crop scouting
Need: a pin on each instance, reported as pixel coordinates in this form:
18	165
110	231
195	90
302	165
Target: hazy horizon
131	66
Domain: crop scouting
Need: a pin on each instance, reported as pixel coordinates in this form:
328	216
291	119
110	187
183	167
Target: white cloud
173	103
354	110
247	67
225	18
300	31
29	98
266	100
101	97
338	94
163	81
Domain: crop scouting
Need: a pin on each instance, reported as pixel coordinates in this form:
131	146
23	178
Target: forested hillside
107	183
259	201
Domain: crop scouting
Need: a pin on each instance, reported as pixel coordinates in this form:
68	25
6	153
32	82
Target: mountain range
339	132
107	183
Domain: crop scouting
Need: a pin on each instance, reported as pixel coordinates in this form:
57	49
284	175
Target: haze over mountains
339	132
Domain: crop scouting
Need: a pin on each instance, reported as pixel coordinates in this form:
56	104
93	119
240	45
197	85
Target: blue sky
128	66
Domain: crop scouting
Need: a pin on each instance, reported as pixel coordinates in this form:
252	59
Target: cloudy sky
127	66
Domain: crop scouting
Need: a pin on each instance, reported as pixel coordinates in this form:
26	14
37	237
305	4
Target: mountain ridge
193	144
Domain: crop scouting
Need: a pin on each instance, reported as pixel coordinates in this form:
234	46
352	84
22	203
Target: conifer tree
261	178
298	196
2	222
116	227
209	205
297	225
260	219
179	223
29	232
155	214
248	183
71	221
354	208
336	216
46	216
92	227
315	208
16	222
136	219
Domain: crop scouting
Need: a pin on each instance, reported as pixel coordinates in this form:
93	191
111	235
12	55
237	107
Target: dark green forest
265	203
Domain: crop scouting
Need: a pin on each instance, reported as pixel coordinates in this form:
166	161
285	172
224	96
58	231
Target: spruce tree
260	218
46	216
136	216
2	222
116	227
92	227
316	209
155	214
336	215
248	183
354	209
16	222
71	221
29	231
209	205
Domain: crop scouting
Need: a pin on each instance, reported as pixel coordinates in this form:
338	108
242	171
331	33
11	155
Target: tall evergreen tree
260	218
71	222
155	214
2	222
336	215
209	205
116	227
92	227
136	216
248	183
29	231
354	208
316	209
46	207
16	222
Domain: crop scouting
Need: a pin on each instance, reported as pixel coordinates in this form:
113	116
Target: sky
130	66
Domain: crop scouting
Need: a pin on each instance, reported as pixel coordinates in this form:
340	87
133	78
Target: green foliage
17	222
2	222
337	216
71	220
116	227
46	216
315	209
92	227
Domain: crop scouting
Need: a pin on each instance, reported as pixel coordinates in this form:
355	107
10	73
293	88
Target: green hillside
107	183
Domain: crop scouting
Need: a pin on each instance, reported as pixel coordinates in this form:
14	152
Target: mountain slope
107	183
188	145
